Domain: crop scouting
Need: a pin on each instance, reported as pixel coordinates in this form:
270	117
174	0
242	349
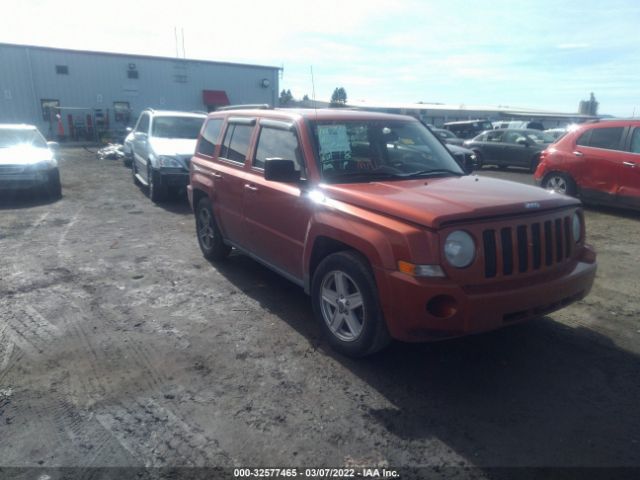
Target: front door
276	214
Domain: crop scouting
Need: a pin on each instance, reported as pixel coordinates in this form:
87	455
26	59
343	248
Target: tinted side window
143	124
584	139
608	138
236	142
209	139
495	136
276	143
513	137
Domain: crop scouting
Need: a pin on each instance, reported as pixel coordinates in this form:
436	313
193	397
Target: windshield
176	127
12	137
362	151
540	137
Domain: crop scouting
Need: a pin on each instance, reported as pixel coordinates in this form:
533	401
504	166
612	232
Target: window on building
121	112
236	142
62	69
49	108
209	139
276	143
132	73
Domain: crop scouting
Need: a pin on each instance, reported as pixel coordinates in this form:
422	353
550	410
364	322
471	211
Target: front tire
209	236
157	189
345	302
561	183
54	187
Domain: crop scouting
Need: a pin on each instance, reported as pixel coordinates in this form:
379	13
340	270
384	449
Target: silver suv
162	144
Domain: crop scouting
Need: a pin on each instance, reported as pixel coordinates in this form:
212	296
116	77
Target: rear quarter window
210	135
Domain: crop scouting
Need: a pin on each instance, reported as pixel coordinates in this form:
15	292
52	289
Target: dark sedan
448	137
510	147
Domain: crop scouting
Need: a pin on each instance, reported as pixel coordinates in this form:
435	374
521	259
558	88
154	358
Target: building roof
132	55
505	109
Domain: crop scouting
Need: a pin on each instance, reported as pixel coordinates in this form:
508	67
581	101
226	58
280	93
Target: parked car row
28	161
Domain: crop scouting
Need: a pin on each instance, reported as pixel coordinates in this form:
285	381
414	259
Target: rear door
276	214
629	170
492	148
599	148
516	149
229	178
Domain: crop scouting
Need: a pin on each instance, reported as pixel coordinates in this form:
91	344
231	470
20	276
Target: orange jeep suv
373	217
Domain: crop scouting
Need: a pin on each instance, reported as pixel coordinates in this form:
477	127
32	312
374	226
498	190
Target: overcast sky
546	54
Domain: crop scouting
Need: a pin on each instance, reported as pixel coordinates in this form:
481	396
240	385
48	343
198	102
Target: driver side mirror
279	170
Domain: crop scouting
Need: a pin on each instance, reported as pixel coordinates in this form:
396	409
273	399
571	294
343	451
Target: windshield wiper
433	171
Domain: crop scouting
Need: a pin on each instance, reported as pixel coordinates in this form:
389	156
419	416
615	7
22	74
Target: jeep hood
173	146
435	202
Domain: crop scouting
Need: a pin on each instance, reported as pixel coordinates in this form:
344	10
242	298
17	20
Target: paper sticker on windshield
333	139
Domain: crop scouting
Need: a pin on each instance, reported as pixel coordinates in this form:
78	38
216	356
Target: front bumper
468	310
20	181
174	179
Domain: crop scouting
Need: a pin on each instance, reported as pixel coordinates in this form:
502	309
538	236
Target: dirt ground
121	346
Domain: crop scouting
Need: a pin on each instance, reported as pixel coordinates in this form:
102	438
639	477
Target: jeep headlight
459	249
170	162
576	226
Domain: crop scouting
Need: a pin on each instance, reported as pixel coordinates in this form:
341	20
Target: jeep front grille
522	248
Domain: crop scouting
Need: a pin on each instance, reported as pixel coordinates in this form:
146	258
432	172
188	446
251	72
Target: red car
599	162
375	219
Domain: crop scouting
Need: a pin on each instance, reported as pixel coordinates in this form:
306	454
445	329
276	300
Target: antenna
175	38
313	93
184	53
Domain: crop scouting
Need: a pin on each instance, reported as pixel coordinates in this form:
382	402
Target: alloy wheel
557	184
342	305
206	232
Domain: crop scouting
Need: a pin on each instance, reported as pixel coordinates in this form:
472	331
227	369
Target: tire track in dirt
159	438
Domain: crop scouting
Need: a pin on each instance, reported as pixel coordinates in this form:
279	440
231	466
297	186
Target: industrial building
84	95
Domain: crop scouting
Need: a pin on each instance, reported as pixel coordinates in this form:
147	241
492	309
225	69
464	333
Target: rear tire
561	183
209	236
533	165
345	302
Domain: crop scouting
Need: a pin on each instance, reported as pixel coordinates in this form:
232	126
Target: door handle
216	175
250	187
578	154
629	164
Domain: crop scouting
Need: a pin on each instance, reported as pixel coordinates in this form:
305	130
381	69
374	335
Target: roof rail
254	106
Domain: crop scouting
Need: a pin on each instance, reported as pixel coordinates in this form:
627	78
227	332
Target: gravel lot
121	346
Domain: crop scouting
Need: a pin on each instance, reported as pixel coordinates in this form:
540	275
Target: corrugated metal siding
98	80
